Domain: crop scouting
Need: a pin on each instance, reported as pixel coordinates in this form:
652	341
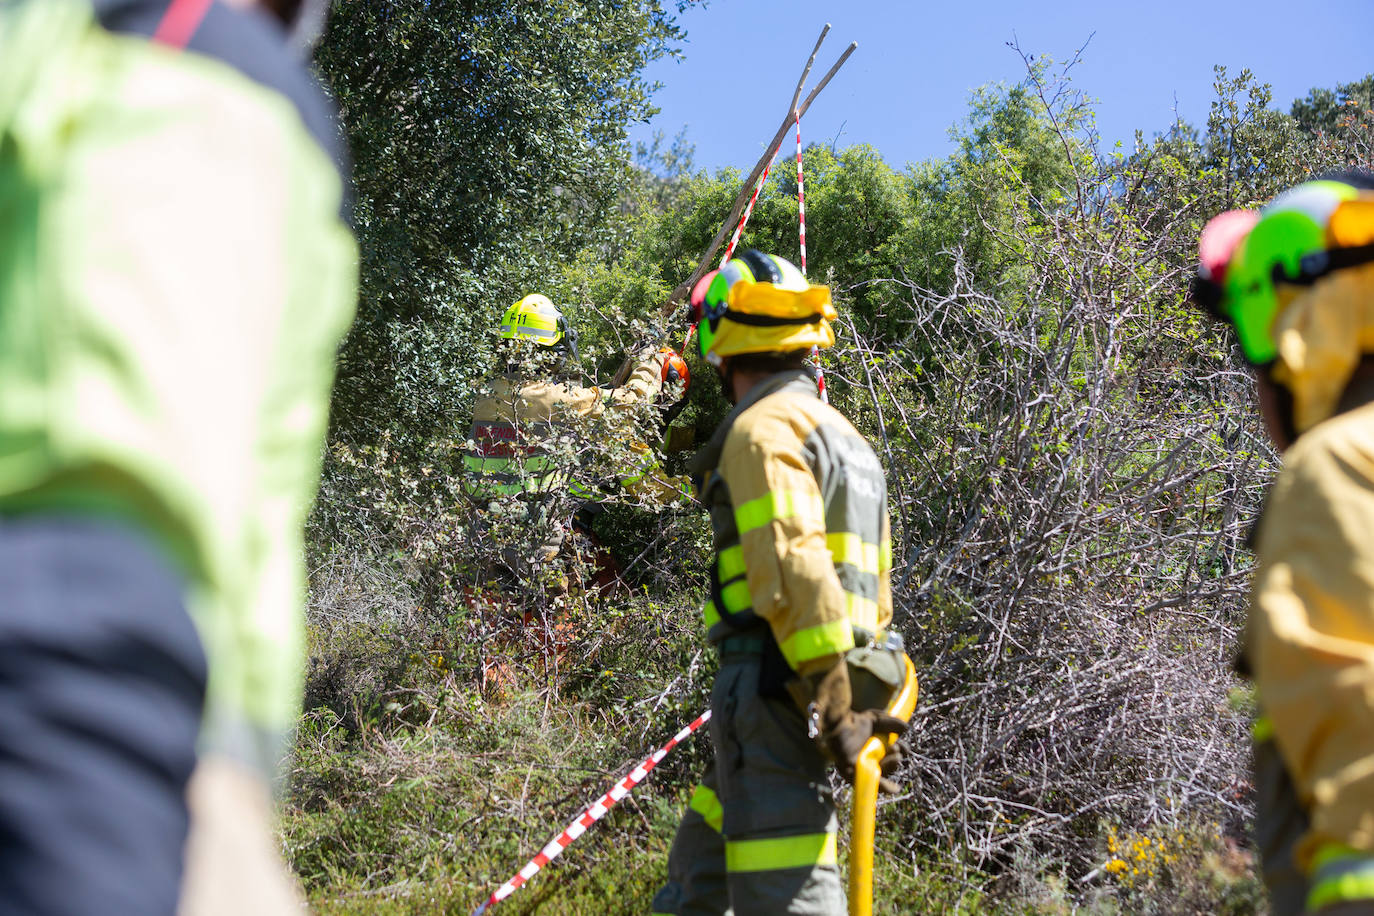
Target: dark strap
180	22
757	643
1318	264
741	645
770	321
718	591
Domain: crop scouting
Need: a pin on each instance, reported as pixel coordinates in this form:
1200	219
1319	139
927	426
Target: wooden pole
793	113
796	96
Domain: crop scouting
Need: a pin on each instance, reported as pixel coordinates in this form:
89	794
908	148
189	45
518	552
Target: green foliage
1252	150
1009	127
1070	449
1325	110
1340	123
489	147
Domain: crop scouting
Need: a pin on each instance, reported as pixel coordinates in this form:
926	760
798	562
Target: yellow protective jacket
514	426
798	507
1311	632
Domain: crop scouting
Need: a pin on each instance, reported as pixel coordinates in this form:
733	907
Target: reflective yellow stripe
730	563
711	614
490	491
477	465
1331	853
806	851
846	547
776	505
814	642
737	597
863	612
531	473
1262	729
885	556
1340	874
535	464
487	483
705	803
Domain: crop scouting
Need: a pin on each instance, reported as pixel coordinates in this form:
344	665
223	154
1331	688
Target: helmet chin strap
726	374
302	19
1283	404
569	341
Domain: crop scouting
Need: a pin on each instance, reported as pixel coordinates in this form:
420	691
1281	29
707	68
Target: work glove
640	352
842	732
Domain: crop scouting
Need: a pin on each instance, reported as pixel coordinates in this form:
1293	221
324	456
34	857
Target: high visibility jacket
798	506
175	276
1311	644
514	429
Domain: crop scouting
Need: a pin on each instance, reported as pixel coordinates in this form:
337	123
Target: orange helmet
675	369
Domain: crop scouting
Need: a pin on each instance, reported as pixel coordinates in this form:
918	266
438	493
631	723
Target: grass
419	784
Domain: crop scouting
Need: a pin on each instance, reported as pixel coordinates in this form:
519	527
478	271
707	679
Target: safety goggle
709	297
707	304
569	338
1253	308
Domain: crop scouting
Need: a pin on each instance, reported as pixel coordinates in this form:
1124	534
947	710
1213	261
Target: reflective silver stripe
525	330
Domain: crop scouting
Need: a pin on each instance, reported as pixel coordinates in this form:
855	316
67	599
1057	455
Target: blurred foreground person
800	607
529	412
175	276
1296	281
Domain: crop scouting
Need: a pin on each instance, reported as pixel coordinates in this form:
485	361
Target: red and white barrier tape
801	236
744	218
801	200
590	816
180	22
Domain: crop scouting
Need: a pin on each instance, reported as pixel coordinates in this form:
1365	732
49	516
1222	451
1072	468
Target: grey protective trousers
1280	822
102	678
759	834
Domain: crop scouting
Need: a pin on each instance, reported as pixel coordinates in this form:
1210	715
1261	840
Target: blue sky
910	79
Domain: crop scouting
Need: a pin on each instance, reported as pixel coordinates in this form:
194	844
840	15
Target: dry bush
1073	461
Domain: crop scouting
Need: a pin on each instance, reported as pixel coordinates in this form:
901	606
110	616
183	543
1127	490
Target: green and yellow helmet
536	319
760	303
1253	263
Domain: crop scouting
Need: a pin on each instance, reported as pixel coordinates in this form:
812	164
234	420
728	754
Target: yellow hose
864	813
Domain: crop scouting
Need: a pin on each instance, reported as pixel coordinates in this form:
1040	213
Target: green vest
175	277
